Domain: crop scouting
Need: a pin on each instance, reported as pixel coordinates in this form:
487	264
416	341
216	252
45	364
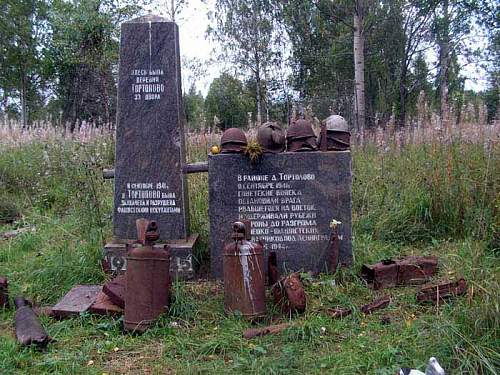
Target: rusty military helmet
271	137
233	141
300	136
337	133
336	122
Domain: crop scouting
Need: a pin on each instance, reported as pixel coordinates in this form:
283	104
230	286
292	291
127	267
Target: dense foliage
367	60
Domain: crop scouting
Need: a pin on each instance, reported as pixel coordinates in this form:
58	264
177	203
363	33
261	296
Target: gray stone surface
149	182
290	198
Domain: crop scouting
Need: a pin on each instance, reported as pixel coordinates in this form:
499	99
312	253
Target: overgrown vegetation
422	199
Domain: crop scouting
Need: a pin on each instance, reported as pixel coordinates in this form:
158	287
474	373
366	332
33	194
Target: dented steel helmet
300	137
233	141
337	133
271	137
336	122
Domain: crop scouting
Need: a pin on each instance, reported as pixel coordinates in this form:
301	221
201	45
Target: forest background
367	60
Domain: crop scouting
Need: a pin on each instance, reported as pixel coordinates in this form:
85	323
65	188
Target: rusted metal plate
77	300
378	304
442	291
416	269
104	306
406	271
4	292
115	290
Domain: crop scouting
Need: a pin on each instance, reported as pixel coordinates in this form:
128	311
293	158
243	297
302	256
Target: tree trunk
402	93
359	66
444	61
258	96
24	117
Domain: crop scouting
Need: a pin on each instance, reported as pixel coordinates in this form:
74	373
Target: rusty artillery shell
244	278
29	331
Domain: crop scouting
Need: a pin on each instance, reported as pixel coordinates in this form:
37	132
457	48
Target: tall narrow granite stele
149	182
150	156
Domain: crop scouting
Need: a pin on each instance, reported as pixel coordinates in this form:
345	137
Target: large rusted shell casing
29	330
244	276
148	283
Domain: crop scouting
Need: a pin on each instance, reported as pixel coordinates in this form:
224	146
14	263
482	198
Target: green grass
440	200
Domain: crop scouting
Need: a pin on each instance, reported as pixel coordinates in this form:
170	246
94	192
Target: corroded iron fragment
115	290
339	312
104	306
378	304
406	271
289	293
272	268
435	293
29	330
269	330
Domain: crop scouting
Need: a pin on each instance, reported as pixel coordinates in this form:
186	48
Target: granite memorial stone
290	199
149	182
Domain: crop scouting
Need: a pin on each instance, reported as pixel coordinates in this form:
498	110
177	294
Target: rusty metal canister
148	280
244	278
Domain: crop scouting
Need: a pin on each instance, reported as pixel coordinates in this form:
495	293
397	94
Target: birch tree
245	31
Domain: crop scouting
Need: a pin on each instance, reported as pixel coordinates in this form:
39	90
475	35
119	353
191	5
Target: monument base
181	258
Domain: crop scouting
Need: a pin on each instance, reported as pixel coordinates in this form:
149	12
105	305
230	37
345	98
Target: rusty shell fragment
339	312
378	304
29	330
289	293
